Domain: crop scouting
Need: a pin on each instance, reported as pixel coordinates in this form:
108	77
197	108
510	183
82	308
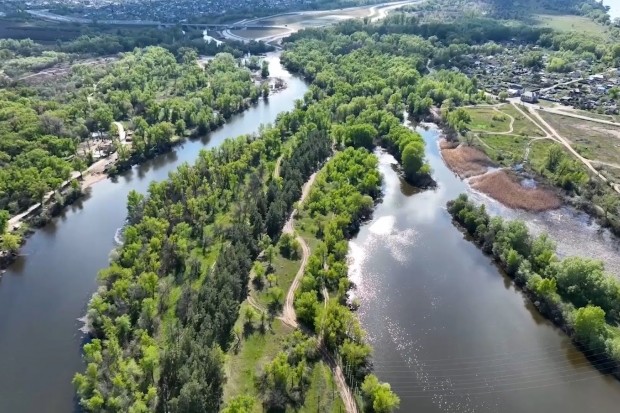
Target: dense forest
574	292
22	55
162	97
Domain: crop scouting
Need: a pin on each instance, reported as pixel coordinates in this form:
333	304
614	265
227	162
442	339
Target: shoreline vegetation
150	137
574	293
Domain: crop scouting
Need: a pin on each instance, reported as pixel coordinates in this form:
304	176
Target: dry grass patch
505	189
465	160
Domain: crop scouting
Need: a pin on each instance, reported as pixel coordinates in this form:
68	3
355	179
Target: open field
487	119
538	152
284	270
522	125
259	33
565	23
594	115
507	149
592	140
243	363
507	190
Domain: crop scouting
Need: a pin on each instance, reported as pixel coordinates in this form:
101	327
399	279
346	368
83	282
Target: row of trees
575	292
341	197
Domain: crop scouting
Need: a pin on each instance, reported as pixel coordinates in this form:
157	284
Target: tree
11	242
306	306
4	220
608	202
360	136
413	158
239	404
589	323
264	72
249	314
270	253
503	96
276	298
380	396
259	272
79	165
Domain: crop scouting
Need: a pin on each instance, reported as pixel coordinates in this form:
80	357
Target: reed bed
465	161
508	191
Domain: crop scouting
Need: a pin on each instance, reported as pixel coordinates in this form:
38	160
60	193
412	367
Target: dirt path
276	170
288	313
568	146
510	127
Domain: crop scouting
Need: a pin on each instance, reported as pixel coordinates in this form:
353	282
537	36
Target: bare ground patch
507	190
465	161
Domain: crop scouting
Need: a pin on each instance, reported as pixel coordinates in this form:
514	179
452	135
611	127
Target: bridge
46	15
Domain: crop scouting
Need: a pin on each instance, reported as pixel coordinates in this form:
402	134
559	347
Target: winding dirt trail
288	313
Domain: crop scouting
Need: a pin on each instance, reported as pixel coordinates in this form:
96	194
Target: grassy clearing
507	150
589	114
488	120
243	363
592	140
284	270
538	152
522	125
322	396
570	23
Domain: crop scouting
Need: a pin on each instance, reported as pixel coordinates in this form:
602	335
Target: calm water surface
450	332
43	294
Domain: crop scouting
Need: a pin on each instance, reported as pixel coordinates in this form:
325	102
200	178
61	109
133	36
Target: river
443	320
614	8
43	294
450	332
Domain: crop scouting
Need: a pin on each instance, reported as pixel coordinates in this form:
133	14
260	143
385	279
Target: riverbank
450	331
560	289
48	287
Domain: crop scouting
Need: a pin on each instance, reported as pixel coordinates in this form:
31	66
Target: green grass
595	141
569	23
482	120
322	395
507	149
538	152
243	364
522	125
285	271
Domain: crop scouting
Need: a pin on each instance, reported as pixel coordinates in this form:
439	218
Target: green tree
608	202
11	242
306	306
264	72
503	96
380	396
4	220
589	323
79	165
413	158
239	404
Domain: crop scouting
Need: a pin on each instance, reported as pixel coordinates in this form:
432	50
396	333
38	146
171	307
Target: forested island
231	290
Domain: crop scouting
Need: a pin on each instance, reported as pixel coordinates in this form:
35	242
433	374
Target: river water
443	320
451	333
44	293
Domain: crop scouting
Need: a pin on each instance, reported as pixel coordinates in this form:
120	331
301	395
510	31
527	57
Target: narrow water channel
451	333
44	293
